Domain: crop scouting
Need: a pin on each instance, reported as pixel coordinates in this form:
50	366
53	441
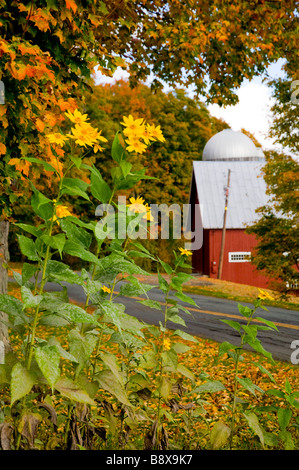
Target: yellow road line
228	315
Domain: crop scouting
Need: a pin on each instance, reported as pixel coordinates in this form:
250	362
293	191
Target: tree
277	230
49	49
284	128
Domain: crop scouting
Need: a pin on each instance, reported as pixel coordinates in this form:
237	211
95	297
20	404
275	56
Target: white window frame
239	256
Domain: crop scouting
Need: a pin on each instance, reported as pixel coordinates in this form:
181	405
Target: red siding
206	260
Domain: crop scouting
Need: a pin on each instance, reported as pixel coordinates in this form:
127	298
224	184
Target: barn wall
242	273
206	260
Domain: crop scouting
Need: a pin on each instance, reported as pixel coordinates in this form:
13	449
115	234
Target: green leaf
76	160
267	322
219	435
81	347
181	369
21	382
41	205
28	270
75	233
233	324
30	229
54	241
170	360
112	265
47	166
173	316
163	283
134	287
27	247
168	269
111	363
109	382
151	303
284	416
125	167
211	386
10	305
118	152
51	301
75	186
288	386
48	359
63	353
165	388
185	336
99	188
75	314
61	272
257	346
114	312
245	311
249	385
286	437
71	390
227	348
180	348
30	300
186	298
255	426
251	331
76	249
265	371
148	360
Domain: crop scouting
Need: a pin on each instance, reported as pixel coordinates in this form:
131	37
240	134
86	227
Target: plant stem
236	379
161	368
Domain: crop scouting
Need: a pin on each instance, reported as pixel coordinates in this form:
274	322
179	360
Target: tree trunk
4	258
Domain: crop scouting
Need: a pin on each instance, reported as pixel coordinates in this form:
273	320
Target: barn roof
247	192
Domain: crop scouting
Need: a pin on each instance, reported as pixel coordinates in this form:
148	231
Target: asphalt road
205	321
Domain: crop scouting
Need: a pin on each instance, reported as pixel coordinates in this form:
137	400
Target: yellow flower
264	295
133	126
155	132
137	205
61	212
76	117
166	344
57	138
185	252
84	134
135	145
147	136
106	289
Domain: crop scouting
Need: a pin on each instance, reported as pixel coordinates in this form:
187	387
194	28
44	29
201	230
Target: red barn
229	175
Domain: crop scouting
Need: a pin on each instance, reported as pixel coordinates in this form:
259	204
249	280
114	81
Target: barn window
239	256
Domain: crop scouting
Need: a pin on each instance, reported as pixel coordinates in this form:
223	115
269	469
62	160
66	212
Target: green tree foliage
284	128
277	230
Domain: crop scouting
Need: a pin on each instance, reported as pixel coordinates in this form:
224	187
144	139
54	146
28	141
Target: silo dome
231	145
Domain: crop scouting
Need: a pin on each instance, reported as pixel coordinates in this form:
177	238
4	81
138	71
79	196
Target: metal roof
231	145
247	192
